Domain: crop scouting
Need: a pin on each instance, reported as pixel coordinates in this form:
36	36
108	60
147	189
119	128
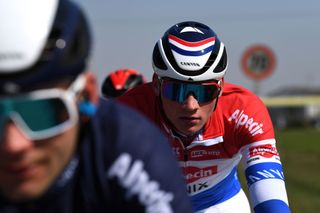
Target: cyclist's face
190	116
27	167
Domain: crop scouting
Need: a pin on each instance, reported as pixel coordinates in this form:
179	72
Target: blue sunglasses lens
180	91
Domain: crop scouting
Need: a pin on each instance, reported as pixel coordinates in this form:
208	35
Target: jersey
122	164
240	128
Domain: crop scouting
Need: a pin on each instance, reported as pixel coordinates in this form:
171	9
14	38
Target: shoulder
141	98
235	92
119	114
139	92
244	112
130	129
135	149
237	97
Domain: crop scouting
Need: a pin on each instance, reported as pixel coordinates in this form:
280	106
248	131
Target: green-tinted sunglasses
43	113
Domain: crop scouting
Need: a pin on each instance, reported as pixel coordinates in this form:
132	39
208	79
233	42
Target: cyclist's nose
191	103
13	141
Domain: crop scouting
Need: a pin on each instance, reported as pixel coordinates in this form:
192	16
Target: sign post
258	63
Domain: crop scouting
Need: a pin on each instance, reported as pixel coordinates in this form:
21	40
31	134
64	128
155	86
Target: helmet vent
133	81
201	26
50	46
157	59
221	66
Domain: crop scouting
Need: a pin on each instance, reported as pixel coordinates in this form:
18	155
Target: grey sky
125	32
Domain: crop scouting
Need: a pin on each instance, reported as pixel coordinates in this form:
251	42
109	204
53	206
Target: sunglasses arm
78	85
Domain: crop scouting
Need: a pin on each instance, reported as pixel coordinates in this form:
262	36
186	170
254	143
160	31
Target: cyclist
62	149
212	124
120	81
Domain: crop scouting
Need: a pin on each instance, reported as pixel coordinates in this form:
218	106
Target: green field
300	156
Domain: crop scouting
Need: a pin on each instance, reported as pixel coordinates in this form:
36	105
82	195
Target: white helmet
190	51
41	41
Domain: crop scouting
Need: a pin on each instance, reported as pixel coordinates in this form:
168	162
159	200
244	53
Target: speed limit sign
258	62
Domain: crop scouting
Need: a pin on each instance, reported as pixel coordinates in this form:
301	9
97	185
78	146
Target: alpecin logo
194	173
242	119
266	150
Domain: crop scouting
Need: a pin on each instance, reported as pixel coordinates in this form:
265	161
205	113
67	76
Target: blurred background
273	49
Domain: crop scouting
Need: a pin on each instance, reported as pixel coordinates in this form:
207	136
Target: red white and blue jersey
239	129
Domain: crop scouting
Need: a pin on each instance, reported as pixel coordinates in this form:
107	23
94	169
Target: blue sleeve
267	188
272	206
265	179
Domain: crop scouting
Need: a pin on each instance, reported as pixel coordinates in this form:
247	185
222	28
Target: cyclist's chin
27	186
189	129
23	194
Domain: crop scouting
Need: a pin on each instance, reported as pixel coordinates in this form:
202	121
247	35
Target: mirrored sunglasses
179	91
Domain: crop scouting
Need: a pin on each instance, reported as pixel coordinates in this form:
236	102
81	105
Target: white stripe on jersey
208	142
268	189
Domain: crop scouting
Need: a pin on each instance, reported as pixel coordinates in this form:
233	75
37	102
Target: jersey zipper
185	154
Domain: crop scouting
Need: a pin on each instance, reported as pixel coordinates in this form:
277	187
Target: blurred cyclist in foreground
120	81
62	149
212	124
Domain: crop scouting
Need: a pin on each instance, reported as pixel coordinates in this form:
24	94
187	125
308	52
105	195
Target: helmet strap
156	85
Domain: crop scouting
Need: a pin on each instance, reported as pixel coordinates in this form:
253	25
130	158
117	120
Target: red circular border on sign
258	48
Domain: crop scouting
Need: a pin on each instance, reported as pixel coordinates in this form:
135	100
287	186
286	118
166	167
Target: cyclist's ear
91	89
156	84
89	96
